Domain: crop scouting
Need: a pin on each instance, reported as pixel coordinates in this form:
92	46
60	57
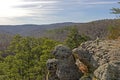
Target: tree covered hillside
25	57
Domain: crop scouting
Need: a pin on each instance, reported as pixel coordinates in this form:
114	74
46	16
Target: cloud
8	21
39	6
34	3
43	8
28	6
99	2
25	10
46	11
87	2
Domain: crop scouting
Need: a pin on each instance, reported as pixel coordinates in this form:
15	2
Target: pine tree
116	10
74	39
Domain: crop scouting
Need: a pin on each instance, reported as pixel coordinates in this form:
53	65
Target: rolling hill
92	29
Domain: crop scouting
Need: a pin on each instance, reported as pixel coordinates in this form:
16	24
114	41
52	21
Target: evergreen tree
74	39
116	10
28	59
114	31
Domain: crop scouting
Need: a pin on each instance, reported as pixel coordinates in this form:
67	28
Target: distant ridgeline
60	30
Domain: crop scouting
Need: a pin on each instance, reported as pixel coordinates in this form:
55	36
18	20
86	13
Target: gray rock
102	58
108	71
62	52
66	68
86	58
52	67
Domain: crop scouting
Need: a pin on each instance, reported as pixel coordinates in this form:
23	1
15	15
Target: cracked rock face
108	71
52	67
98	60
86	58
62	52
66	67
102	58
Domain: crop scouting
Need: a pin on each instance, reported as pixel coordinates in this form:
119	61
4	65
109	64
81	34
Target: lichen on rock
52	67
97	60
66	67
102	58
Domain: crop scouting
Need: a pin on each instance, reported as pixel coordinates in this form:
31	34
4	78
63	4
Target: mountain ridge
93	28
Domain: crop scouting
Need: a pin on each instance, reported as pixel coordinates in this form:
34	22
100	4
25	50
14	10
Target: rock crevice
92	60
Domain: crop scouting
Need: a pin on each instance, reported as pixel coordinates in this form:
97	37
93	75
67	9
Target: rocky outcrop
52	67
108	71
97	60
66	67
102	58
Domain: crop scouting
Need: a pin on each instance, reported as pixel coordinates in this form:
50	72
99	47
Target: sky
54	11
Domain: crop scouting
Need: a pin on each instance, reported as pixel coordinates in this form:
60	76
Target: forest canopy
26	58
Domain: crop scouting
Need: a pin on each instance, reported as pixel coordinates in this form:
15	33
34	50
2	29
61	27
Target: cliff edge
92	60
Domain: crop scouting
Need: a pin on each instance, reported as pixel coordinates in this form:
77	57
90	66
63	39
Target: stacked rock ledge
92	60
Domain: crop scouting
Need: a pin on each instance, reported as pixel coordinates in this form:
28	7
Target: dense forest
24	58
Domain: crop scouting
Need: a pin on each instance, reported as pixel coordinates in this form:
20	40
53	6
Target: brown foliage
82	67
114	32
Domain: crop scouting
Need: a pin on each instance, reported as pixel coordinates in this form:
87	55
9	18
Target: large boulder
52	67
66	67
98	60
108	71
102	58
86	58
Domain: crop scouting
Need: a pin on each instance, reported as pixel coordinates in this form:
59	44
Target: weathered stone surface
98	60
86	58
66	68
102	57
52	67
62	52
108	71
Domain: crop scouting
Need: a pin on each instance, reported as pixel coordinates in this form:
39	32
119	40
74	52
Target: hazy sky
54	11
